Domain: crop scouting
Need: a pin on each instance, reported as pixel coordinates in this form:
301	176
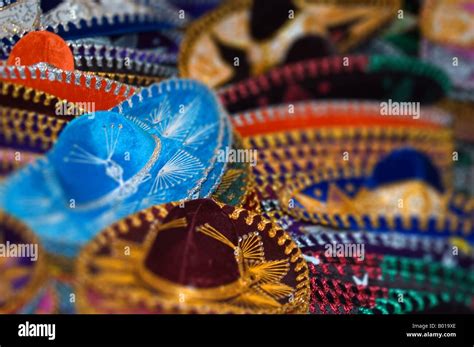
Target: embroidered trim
132	80
236	94
148	20
76	79
33	98
104	55
26	128
235	185
309	69
157	302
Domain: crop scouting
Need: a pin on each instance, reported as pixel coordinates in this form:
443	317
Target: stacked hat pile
203	156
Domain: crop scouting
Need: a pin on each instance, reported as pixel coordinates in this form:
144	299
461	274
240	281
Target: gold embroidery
251	246
259	288
210	231
176	223
406	199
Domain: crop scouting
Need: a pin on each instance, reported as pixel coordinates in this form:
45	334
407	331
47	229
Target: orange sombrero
52	71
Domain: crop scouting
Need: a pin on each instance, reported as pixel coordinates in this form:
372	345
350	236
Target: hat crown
405	164
98	157
42	47
182	254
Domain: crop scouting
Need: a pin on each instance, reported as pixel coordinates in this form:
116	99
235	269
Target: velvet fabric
41	47
405	164
198	261
195	246
51	187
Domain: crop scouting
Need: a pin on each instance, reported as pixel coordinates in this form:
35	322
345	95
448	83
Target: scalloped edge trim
76	78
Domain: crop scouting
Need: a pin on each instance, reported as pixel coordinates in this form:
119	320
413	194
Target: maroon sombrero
198	257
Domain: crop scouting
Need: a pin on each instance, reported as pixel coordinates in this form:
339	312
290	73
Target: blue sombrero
148	108
402	192
105	166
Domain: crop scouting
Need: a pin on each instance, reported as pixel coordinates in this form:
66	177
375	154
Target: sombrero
38	100
105	165
241	263
238	39
402	192
312	135
150	107
53	73
124	64
401	79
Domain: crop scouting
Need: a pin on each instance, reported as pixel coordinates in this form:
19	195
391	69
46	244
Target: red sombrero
53	72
